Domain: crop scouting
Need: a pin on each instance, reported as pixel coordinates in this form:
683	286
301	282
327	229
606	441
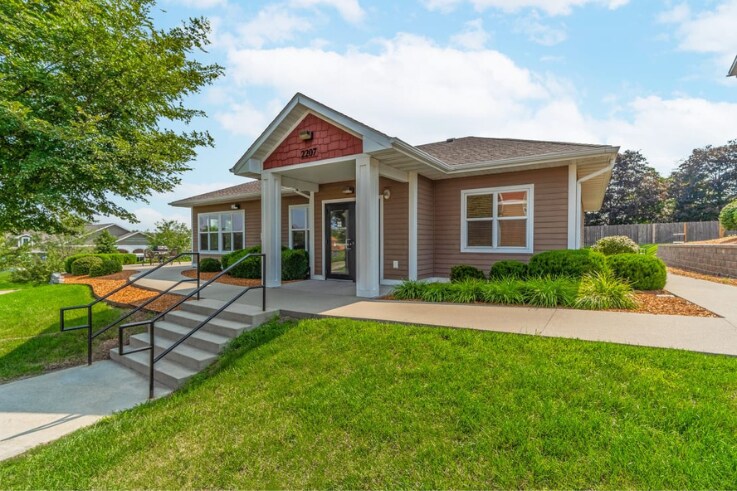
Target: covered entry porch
357	224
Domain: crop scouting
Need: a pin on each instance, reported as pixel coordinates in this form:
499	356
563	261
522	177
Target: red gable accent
328	142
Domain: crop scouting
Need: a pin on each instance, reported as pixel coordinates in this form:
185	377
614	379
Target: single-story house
126	240
376	210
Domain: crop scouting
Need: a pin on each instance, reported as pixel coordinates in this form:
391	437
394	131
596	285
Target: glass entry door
340	247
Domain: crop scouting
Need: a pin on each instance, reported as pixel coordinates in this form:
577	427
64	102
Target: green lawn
347	404
30	341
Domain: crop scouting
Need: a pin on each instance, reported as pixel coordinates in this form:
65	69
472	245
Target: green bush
649	249
295	264
728	216
464	272
600	291
105	267
508	269
209	265
616	244
436	292
121	258
468	291
573	263
409	290
550	292
642	272
84	264
250	268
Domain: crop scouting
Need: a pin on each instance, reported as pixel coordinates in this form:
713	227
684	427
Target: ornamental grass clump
550	292
507	291
602	291
409	290
468	291
435	292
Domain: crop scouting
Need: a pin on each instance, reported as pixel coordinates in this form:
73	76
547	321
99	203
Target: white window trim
494	249
220	232
308	229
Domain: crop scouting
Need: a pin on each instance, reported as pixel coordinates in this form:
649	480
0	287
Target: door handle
349	244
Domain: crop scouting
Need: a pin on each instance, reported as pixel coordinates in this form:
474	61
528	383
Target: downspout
579	204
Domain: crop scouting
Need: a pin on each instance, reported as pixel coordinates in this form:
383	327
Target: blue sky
642	74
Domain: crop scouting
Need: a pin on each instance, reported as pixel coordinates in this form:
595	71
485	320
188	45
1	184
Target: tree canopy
89	93
172	234
105	243
636	193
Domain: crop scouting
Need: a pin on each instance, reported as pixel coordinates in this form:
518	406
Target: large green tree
636	193
92	108
704	183
172	234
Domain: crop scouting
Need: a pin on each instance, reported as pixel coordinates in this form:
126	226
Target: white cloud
420	91
709	31
473	35
350	10
200	4
273	24
540	33
551	7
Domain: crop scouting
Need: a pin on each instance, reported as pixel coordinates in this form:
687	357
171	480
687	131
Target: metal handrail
90	335
153	358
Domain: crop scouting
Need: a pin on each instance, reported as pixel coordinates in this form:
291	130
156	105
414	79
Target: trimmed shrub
107	266
82	265
210	265
728	216
508	269
121	258
464	272
295	264
616	244
250	268
409	290
599	291
642	272
550	292
573	263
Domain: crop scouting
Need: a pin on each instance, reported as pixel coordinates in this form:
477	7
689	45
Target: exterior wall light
387	193
305	135
235	206
348	190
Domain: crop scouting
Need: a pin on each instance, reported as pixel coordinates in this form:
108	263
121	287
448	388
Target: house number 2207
309	152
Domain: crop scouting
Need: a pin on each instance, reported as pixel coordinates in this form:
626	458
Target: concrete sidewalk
40	409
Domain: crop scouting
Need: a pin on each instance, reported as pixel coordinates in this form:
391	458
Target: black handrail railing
153	358
90	335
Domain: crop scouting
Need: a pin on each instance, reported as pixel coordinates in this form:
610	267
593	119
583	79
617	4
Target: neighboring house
127	240
371	208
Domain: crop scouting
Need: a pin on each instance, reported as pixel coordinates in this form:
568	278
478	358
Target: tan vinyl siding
252	212
327	192
396	229
425	227
550	216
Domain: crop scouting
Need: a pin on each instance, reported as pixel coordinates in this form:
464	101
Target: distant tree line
696	190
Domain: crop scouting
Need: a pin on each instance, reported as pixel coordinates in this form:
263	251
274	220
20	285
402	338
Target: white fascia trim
572	197
412	253
530	188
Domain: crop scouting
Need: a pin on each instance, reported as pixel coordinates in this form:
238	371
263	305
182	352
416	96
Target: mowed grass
348	404
30	340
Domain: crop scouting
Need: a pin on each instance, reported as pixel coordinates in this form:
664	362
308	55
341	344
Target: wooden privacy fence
655	233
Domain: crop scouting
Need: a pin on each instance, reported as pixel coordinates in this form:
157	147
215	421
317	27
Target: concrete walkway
40	409
335	299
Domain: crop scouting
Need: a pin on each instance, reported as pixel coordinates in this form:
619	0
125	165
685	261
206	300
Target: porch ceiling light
305	135
348	190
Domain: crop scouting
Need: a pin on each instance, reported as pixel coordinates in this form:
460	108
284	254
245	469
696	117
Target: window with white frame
221	232
299	227
24	240
497	219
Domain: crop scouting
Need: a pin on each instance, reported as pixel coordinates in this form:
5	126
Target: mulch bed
658	302
716	279
130	296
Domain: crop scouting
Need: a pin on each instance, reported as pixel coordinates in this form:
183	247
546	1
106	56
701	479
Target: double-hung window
221	232
299	227
497	219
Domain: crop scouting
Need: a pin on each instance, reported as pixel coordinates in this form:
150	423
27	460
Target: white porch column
367	227
271	226
572	207
412	225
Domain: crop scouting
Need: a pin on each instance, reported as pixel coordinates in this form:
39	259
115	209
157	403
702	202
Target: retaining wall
714	259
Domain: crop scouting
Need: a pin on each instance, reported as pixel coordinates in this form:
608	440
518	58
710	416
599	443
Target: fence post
685	232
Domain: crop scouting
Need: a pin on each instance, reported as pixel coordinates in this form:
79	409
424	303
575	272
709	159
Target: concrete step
237	312
203	340
189	356
166	372
224	327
